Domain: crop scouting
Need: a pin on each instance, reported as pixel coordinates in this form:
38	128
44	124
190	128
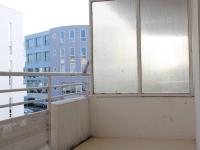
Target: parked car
42	104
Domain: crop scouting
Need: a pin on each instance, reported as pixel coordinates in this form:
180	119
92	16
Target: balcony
35	130
94	121
146	97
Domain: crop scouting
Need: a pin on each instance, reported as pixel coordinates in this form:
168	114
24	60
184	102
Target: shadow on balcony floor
136	144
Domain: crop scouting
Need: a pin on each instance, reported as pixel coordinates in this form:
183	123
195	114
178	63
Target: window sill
142	95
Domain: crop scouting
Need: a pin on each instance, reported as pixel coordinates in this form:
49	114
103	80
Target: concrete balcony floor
136	144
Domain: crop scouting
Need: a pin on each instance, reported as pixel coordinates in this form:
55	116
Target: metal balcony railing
36	126
49	86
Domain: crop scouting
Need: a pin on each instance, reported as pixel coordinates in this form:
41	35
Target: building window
38	57
83	52
30	58
72	35
83	35
45	84
27	58
36	69
29	83
46	56
62	52
46	69
38	42
29	43
30	69
62	36
46	40
72	67
72	53
62	67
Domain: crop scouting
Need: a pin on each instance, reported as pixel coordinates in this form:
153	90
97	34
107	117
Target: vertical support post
189	13
139	55
91	84
61	89
49	109
10	107
195	14
87	87
49	92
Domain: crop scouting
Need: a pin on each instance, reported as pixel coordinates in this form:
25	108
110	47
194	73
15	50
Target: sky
41	15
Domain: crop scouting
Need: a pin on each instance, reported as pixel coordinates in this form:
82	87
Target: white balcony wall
69	123
142	117
164	69
25	132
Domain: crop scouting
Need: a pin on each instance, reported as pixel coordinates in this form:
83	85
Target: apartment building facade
37	60
11	46
70	53
60	49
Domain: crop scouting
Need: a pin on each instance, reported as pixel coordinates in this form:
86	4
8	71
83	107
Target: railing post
49	109
87	87
49	93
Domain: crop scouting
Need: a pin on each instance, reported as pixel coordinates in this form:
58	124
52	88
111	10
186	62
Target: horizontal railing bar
61	85
42	74
61	96
37	100
91	1
35	88
21	89
21	103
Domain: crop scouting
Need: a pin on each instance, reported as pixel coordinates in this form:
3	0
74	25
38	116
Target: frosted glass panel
164	46
115	47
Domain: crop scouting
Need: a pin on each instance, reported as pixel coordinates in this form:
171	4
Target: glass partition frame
139	61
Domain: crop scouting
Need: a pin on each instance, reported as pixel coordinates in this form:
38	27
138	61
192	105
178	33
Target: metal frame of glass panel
139	69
